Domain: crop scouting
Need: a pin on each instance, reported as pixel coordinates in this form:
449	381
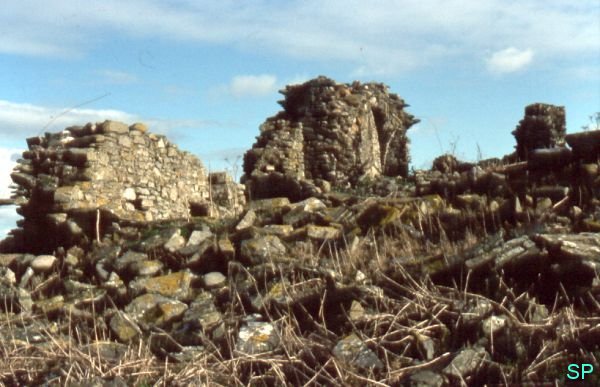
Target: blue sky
206	73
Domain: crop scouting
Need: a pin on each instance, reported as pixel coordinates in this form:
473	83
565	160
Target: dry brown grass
406	315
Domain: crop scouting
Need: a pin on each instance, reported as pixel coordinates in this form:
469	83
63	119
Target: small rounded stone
43	263
214	280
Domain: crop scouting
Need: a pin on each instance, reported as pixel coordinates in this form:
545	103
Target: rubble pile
328	134
298	285
73	184
467	274
557	181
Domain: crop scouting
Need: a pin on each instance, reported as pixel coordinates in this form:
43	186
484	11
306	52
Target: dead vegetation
413	327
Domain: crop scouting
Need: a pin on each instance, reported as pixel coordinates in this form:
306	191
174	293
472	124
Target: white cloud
373	38
21	120
8	220
297	80
509	60
8	215
252	85
7	163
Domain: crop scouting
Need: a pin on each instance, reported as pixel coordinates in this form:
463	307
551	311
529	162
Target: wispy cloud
252	85
20	120
390	37
509	60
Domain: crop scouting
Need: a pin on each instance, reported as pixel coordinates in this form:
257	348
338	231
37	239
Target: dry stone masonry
86	177
542	127
328	134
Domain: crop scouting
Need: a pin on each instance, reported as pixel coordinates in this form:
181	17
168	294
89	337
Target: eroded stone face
337	133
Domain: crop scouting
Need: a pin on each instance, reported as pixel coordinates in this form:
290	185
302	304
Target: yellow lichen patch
169	311
170	285
377	215
260	338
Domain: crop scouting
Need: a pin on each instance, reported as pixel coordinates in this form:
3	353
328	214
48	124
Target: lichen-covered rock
257	337
198	236
260	249
175	285
428	379
468	362
124	328
201	318
575	247
338	133
353	350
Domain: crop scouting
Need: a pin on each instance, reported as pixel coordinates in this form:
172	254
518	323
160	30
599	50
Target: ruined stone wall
122	171
334	132
543	126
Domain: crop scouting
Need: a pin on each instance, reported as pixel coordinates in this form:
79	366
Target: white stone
214	280
43	263
129	194
175	242
198	237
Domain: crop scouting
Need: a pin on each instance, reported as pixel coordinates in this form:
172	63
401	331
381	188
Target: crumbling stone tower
542	127
328	134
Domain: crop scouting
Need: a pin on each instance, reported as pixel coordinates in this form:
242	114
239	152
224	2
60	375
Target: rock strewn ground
341	287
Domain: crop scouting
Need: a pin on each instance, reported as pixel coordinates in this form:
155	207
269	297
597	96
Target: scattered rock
198	236
436	273
257	337
124	328
262	249
175	285
43	263
175	242
214	280
353	350
468	362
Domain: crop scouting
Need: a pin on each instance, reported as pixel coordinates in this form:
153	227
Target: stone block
114	127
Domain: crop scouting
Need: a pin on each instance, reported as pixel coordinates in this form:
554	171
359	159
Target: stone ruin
329	134
543	126
549	170
476	274
72	185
